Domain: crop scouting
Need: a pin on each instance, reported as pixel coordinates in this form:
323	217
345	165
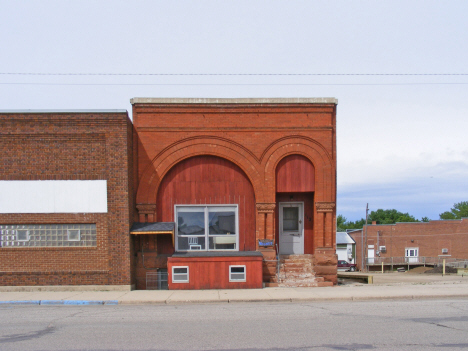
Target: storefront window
206	228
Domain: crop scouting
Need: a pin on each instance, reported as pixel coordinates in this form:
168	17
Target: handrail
396	260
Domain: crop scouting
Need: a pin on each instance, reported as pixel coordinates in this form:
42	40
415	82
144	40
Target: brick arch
313	151
177	152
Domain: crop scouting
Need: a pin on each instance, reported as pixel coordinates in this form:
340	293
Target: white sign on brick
53	196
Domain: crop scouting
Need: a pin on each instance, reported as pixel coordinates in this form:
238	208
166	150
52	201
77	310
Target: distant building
411	244
345	247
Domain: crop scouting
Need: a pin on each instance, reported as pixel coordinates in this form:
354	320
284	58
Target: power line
228	74
231	84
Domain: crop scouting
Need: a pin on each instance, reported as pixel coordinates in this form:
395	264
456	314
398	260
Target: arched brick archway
312	150
325	175
211	146
209	180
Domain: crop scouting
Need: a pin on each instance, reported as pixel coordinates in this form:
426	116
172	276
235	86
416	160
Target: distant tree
459	210
425	219
341	223
390	217
380	216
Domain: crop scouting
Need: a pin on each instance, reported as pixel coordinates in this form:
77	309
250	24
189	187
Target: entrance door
370	254
411	254
291	228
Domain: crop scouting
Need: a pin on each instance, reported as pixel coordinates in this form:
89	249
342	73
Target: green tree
425	219
390	217
341	223
458	211
380	216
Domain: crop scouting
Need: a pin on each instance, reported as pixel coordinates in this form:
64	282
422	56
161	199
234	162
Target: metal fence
421	260
156	280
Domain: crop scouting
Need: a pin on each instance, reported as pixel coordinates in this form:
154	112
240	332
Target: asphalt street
429	324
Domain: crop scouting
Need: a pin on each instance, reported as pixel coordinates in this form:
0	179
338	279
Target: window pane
182	277
22	235
222	222
237	269
191	243
290	218
182	270
191	223
225	242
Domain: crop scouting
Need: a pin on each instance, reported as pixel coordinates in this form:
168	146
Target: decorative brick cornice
325	206
266	207
146	208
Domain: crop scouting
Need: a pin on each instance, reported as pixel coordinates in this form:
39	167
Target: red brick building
210	191
410	244
65	204
238	177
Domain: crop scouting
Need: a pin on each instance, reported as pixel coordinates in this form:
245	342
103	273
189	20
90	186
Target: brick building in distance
205	191
412	244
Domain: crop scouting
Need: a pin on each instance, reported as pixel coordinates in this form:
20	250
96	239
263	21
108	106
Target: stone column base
325	264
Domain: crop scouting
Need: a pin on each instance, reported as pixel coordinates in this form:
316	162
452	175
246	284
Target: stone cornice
266	207
325	206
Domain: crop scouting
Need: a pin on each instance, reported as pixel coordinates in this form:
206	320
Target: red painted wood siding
209	180
295	173
308	199
213	272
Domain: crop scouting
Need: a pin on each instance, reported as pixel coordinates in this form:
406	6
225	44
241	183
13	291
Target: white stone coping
61	111
143	100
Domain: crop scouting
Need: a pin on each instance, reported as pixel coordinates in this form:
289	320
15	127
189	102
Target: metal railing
420	260
156	280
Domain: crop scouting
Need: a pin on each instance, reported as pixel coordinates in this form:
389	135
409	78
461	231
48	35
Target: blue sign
265	242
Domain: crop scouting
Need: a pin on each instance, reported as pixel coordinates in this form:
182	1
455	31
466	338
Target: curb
60	302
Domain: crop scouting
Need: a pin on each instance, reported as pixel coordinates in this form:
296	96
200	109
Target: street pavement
385	286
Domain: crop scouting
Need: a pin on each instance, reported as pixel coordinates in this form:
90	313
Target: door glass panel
290	218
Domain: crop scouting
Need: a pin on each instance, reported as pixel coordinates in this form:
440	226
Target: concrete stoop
298	271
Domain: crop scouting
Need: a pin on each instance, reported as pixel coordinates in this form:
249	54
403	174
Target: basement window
237	273
180	274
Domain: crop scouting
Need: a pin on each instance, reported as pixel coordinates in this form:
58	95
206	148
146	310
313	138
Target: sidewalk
442	287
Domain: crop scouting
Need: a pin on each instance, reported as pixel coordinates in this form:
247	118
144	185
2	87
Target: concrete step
271	285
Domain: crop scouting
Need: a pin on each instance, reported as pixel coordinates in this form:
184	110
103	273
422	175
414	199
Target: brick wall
70	146
430	238
255	137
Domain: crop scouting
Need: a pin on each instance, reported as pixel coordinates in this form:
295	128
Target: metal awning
153	228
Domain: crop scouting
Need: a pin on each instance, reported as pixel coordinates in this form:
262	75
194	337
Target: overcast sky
402	140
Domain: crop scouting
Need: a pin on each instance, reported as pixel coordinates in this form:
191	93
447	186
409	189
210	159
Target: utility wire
232	84
230	74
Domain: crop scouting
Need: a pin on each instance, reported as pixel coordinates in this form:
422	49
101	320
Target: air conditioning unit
383	249
445	251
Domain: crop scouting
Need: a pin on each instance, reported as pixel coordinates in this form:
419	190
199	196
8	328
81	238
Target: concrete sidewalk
444	287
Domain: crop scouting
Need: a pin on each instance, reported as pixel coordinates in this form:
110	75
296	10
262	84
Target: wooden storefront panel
213	272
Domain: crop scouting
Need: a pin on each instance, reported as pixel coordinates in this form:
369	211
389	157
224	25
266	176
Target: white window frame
408	251
237	280
27	235
180	274
68	235
207	236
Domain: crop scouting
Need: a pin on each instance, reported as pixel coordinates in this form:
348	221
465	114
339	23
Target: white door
291	228
370	254
412	254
